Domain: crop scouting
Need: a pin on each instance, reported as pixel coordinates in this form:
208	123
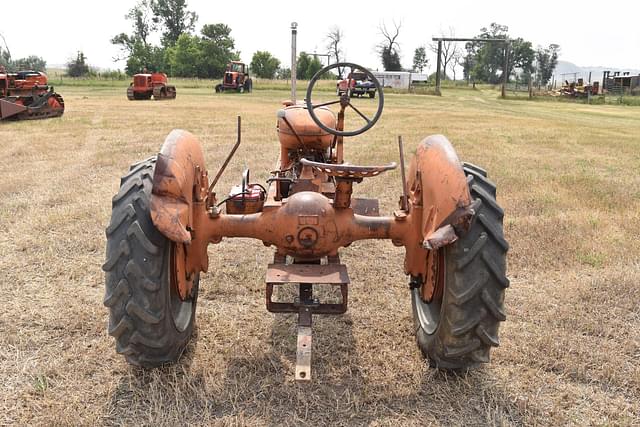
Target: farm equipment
145	85
236	77
579	89
167	212
356	84
27	96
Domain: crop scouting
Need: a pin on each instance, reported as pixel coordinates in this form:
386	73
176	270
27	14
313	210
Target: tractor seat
347	171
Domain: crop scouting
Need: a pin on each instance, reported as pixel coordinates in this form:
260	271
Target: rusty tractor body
578	89
236	78
146	85
167	213
26	95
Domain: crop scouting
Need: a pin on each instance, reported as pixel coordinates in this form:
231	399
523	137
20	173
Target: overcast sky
586	33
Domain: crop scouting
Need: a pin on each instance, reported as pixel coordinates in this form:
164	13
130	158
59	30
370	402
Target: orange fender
439	198
179	180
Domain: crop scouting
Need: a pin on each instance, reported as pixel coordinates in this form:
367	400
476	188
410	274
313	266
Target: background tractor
236	77
167	212
146	85
26	95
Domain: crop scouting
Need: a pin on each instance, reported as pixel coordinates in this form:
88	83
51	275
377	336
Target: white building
399	79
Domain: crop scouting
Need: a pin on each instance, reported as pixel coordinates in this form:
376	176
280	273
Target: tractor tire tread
473	302
474	169
136	268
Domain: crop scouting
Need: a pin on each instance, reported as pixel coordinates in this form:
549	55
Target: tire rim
181	308
428	309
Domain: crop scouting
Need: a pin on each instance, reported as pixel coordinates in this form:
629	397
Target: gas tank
311	136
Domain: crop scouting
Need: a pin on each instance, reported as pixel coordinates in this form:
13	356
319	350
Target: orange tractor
145	85
167	212
26	96
236	78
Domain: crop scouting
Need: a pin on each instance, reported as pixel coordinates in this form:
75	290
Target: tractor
236	77
145	85
25	95
167	212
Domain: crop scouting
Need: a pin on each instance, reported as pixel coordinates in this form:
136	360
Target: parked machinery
167	212
579	89
26	95
146	85
236	78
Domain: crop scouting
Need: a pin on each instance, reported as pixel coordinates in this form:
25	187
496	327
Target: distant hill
596	71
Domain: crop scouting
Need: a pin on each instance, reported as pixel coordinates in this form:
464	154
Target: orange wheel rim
179	278
433	286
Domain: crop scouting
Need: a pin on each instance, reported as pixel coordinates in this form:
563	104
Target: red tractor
145	85
25	95
236	77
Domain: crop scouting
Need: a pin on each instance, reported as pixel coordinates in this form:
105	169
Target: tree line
485	61
182	52
32	62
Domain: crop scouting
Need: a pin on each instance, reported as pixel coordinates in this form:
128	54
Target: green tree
78	67
174	18
420	61
264	65
216	50
488	57
203	56
307	66
283	73
389	49
546	62
32	62
135	47
184	58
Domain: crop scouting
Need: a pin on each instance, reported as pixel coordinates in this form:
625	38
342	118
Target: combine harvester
167	212
146	85
27	96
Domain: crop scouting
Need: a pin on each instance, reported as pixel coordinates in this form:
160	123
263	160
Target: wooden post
505	78
530	88
438	64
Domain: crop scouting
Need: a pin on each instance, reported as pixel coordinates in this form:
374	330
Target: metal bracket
305	304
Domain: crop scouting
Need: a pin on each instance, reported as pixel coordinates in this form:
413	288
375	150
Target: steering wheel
345	101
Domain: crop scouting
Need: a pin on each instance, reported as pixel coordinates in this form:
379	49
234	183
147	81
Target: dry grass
567	176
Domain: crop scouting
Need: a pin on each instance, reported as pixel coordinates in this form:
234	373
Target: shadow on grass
259	388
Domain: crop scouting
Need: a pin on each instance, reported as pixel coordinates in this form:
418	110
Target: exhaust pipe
294	58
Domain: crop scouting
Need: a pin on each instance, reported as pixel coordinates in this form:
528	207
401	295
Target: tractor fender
179	181
439	200
438	183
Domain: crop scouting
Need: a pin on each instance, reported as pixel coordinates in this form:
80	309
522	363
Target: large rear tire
149	321
458	330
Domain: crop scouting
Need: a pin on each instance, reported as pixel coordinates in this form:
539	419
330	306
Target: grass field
567	175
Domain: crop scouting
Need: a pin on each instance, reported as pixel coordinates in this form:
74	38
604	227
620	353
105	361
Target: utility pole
294	34
438	62
505	78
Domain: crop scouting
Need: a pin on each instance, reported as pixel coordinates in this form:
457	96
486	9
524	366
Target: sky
588	34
